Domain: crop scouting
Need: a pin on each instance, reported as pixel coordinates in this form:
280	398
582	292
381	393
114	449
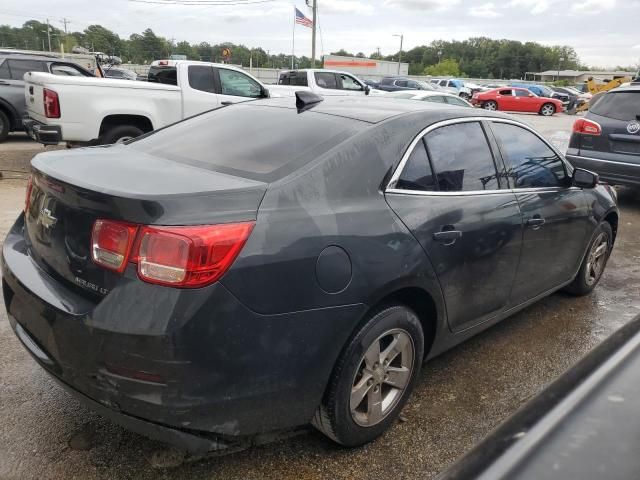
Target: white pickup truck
96	111
325	82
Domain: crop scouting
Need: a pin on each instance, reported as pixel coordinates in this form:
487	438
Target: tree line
479	57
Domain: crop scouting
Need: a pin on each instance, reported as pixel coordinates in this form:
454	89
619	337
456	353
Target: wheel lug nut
370	382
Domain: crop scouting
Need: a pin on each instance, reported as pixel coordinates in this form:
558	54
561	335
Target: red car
514	99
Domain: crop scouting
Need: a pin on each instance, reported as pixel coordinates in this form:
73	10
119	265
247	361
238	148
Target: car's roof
23	56
627	88
374	109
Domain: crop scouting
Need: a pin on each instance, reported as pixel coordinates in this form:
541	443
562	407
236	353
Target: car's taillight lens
189	256
51	103
584	126
27	198
111	243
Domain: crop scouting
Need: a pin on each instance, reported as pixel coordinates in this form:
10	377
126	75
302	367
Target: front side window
238	84
326	80
522	93
401	83
456	101
531	163
19	67
417	174
285	79
461	158
349	83
505	93
201	78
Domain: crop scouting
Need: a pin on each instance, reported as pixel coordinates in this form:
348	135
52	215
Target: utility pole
64	21
401	35
49	34
313	34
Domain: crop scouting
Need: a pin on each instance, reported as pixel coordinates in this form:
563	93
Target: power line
200	3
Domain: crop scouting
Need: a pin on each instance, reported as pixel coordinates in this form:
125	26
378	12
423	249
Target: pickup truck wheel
5	126
120	134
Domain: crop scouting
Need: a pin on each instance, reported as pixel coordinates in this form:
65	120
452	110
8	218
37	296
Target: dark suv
607	139
13	66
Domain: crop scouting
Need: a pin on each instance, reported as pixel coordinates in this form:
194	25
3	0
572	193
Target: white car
325	82
428	96
98	111
453	85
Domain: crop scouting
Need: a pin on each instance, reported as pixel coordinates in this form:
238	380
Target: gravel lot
462	395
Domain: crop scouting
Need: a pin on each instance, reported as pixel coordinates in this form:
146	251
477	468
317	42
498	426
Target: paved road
462	394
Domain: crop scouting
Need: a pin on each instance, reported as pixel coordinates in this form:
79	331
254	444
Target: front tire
5	127
373	378
465	96
490	105
594	262
120	134
547	109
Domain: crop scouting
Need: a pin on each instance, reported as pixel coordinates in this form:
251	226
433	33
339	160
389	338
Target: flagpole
293	46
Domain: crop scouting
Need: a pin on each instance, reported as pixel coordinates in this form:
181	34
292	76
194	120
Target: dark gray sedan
266	265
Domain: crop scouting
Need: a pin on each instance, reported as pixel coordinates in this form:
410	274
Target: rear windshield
250	141
166	75
619	105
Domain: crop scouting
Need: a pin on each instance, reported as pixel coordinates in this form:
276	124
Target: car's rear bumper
174	364
611	171
45	134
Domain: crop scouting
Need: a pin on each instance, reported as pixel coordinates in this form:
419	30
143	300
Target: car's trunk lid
70	190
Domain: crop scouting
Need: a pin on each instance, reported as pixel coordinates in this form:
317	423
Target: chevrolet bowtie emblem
46	219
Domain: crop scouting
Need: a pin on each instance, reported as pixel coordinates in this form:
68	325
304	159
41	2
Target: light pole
401	35
560	60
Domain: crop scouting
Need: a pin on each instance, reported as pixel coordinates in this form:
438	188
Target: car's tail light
111	243
584	126
51	104
189	256
27	198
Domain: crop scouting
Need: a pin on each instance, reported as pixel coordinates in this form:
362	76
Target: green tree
447	67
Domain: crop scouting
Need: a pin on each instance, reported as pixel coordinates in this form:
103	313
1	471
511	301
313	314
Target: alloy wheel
490	106
597	259
384	373
547	110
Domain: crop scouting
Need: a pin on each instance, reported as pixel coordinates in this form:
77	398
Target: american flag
302	20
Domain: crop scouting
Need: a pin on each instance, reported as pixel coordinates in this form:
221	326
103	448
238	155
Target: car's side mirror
584	178
367	89
265	93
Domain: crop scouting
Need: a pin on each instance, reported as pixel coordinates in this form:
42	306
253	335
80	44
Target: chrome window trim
390	188
600	160
400	191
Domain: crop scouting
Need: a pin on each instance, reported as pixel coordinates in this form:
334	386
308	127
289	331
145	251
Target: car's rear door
450	192
199	90
523	102
618	113
555	215
11	80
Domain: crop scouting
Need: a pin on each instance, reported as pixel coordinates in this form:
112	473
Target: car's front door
235	86
555	214
349	85
451	194
523	102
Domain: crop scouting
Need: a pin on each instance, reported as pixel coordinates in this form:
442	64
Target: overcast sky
603	32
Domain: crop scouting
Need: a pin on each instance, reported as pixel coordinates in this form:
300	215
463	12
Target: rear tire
5	126
465	96
490	105
547	109
594	262
368	389
120	134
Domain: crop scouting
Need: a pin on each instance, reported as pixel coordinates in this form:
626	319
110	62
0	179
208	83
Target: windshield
250	141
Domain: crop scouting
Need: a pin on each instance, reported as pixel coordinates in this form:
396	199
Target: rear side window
417	173
66	70
618	105
461	158
250	141
4	71
401	83
504	92
326	80
201	78
456	101
531	163
19	67
434	99
167	75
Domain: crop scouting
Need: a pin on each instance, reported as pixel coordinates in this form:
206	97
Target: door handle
227	103
535	222
447	237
